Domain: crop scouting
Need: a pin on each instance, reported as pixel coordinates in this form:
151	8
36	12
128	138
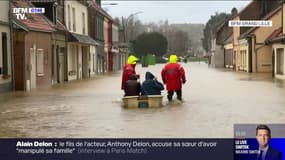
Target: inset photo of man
259	141
266	152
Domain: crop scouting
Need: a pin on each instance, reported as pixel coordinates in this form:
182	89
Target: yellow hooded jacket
132	59
173	58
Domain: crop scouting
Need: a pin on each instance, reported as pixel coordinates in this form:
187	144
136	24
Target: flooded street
215	100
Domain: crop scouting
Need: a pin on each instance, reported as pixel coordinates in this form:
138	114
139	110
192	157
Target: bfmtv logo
21	12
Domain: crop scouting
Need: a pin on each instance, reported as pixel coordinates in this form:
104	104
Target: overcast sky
171	10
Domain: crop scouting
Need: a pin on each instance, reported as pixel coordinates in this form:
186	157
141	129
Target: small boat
151	101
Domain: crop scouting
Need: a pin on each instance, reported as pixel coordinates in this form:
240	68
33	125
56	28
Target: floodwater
214	100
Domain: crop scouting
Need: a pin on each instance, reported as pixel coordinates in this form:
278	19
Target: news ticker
115	149
131	149
244	146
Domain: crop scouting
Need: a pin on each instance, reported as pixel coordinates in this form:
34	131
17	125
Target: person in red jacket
173	76
128	70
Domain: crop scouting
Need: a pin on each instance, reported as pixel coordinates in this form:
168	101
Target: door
79	62
60	65
33	68
280	61
19	64
61	68
84	62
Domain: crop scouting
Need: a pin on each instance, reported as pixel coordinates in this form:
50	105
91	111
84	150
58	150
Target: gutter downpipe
11	47
254	51
25	63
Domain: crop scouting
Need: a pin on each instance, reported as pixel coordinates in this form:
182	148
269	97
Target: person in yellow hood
132	59
173	75
173	58
128	70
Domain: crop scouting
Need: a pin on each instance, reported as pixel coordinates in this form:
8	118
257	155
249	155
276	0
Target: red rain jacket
173	76
128	70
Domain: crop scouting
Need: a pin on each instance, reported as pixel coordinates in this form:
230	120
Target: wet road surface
215	100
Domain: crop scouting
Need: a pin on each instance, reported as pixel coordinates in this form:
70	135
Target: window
73	18
40	62
102	28
4	69
59	2
61	50
97	28
115	36
69	19
83	22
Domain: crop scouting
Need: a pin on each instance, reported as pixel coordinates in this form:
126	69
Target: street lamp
111	4
126	24
103	5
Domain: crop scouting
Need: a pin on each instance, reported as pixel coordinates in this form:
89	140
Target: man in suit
263	135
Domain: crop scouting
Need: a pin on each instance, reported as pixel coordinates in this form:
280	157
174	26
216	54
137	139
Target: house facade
5	49
277	40
54	11
32	48
101	56
79	45
94	33
262	51
219	37
244	40
253	51
117	65
71	40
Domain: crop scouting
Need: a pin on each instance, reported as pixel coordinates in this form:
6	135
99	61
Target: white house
80	46
5	48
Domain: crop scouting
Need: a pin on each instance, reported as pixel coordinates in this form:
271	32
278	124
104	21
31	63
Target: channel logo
237	23
21	12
